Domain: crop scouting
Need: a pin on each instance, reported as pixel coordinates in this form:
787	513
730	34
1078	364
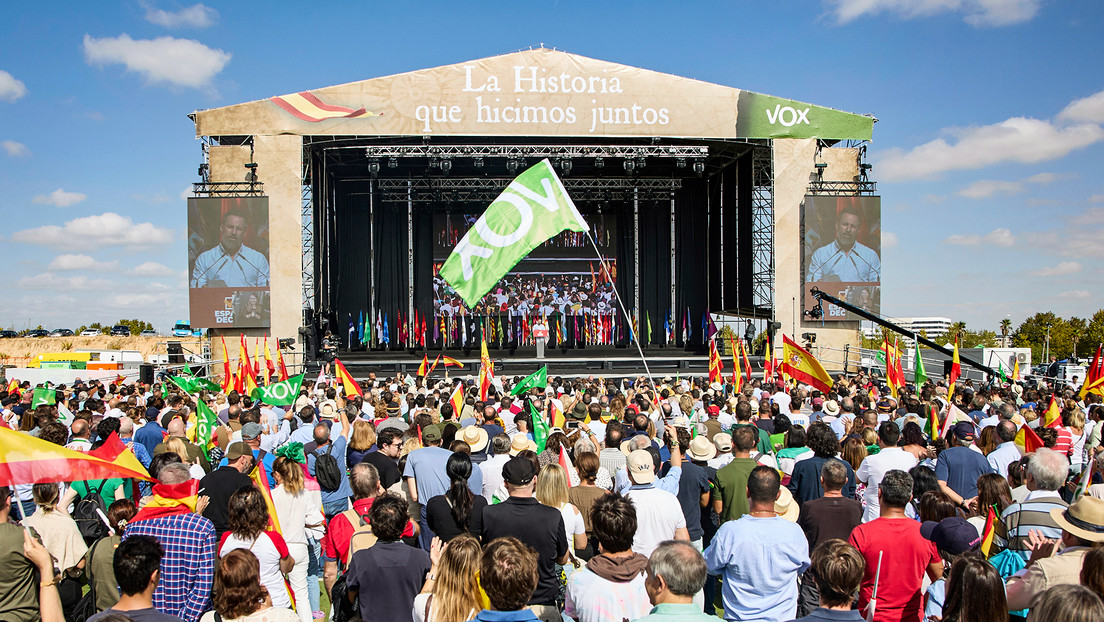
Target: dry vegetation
22	347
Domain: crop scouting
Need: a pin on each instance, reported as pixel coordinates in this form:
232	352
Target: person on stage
845	259
231	263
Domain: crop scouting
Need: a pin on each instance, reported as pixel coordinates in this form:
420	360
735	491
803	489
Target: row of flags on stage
464	329
251	373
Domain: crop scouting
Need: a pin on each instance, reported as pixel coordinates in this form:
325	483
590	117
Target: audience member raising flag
802	366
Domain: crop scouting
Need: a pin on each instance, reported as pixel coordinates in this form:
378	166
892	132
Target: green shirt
100	564
107	488
764	446
732	487
18	578
674	612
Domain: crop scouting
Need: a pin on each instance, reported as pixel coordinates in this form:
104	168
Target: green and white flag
191	384
919	375
281	393
535	380
531	210
206	422
43	395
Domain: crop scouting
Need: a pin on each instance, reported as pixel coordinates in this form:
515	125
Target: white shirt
783	401
492	474
858	265
874	468
658	515
295	512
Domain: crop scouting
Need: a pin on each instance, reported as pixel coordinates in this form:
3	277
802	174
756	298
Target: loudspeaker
145	373
947	368
176	353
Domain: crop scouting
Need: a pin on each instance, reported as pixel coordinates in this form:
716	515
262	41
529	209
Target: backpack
86	513
85	608
362	537
326	470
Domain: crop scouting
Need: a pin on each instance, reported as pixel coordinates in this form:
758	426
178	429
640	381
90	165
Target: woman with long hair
936	505
853	452
551	453
248	530
1092	571
360	442
1067	603
176	445
239	595
975	592
987	441
297	511
551	490
458	511
993	492
923	480
62	538
912	441
451	590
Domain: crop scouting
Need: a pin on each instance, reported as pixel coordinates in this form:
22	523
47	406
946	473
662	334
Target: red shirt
335	544
1065	440
906	556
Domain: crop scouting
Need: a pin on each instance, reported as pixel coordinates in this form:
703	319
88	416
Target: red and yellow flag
451	362
768	362
956	371
170	500
716	367
486	371
990	531
432	367
351	386
260	481
737	381
29	460
457	399
1094	378
1028	440
1053	416
248	378
747	363
13	386
280	361
556	409
306	106
269	368
803	366
423	369
227	372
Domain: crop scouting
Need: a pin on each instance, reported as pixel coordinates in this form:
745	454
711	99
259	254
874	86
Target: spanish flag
346	379
170	500
306	106
13	386
747	363
260	481
1053	416
956	371
432	367
457	400
249	378
737	381
556	408
451	362
716	367
227	372
423	369
280	361
990	531
1028	440
28	460
1094	376
803	366
486	371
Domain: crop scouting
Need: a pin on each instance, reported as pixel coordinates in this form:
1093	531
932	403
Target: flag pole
621	303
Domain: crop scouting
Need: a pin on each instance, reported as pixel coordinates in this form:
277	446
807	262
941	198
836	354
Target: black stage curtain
655	268
349	257
626	269
692	259
744	251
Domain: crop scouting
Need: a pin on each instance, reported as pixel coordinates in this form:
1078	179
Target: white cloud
1043	179
68	262
1062	269
96	232
985	188
49	280
195	16
187	193
1096	198
11	88
151	269
1018	139
996	237
977	13
60	198
168	60
1076	294
15	150
889	240
1085	110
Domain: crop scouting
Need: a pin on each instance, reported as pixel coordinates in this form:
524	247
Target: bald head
80	429
176	427
321	434
126	427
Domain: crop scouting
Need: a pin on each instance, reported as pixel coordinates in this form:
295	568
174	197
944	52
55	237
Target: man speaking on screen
231	263
845	259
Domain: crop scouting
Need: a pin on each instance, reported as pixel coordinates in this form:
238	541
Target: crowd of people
589	499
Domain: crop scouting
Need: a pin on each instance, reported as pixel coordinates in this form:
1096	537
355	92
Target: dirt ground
20	349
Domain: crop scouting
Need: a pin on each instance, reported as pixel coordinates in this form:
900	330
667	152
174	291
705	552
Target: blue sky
988	150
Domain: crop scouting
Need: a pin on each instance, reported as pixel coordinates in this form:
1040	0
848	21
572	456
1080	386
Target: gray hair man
1046	472
676	572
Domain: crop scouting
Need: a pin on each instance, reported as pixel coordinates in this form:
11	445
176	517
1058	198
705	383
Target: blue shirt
427	467
334	501
961	467
150	436
820	614
522	615
669	482
758	560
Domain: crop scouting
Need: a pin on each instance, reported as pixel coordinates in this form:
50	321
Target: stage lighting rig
820	168
599	162
699	167
629	165
680	162
446	165
251	176
512	165
285	344
373	167
565	166
392	162
478	161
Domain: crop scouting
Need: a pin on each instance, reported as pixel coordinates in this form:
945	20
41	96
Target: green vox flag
1000	370
187	371
281	393
532	209
43	395
535	380
540	428
919	375
194	385
206	422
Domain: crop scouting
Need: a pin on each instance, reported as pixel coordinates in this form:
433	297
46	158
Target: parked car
8	334
182	329
61	332
149	332
120	330
37	332
90	332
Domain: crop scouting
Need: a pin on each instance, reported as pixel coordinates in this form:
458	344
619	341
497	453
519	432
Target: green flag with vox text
191	384
206	422
532	209
43	395
280	393
535	380
540	428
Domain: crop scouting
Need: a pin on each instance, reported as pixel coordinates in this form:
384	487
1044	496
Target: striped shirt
1032	514
187	568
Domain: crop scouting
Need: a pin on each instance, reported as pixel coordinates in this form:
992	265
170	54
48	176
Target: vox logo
787	115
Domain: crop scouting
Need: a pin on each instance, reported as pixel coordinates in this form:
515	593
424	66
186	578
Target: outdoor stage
694	192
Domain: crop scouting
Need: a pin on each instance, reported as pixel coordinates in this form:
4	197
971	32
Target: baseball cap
518	471
723	441
964	430
251	430
237	450
713	409
431	433
641	467
954	535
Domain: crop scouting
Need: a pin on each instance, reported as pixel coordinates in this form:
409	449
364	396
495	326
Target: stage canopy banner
533	93
532	209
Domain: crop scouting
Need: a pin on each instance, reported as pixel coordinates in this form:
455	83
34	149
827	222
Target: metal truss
307	236
762	227
537	151
843	188
228	189
484	190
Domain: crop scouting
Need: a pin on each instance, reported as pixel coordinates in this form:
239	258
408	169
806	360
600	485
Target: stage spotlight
202	171
251	176
565	166
599	162
478	162
630	164
680	162
640	163
699	167
446	166
392	162
820	168
373	167
512	165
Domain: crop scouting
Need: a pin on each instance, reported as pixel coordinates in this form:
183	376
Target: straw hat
1084	518
520	443
831	408
701	449
785	506
474	436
